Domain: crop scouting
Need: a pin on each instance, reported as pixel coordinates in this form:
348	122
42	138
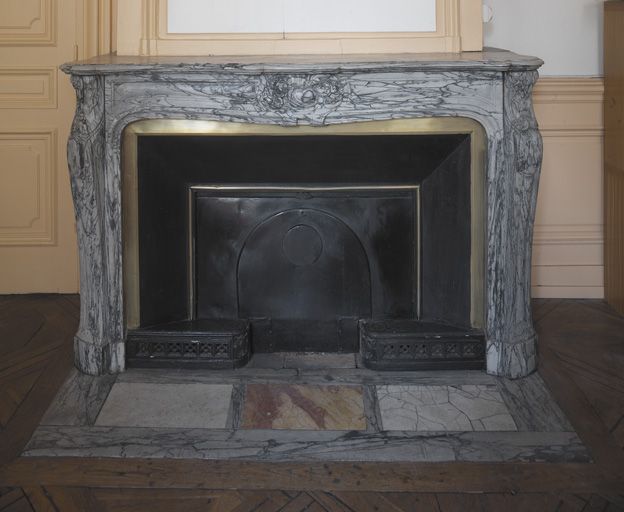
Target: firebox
366	237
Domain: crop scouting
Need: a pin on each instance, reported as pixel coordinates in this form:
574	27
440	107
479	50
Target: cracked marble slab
167	405
272	445
443	408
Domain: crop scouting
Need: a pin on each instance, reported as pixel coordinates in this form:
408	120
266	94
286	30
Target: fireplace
303	240
397	195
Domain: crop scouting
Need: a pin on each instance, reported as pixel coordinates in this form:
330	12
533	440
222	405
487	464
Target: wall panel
143	29
27	188
569	240
28	87
27	22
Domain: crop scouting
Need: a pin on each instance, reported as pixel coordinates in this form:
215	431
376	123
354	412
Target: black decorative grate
204	344
414	345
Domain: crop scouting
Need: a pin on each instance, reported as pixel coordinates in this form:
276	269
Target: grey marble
443	408
532	406
302	361
79	400
491	58
236	407
318	361
302	377
299	446
371	410
166	405
492	87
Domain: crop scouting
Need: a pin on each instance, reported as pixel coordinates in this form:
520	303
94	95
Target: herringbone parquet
581	359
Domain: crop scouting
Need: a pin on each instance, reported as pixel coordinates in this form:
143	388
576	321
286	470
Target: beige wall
37	232
568	241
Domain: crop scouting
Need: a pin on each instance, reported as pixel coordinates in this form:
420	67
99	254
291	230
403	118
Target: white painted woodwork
268	16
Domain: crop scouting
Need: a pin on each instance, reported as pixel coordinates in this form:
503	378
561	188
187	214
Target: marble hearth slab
443	408
300	446
167	405
74	425
284	406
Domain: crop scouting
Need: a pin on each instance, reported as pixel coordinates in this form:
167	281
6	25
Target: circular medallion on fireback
302	245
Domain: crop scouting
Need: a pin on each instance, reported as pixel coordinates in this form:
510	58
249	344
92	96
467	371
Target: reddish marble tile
283	406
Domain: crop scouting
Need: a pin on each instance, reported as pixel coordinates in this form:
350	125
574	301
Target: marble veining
492	87
299	446
443	408
296	407
532	406
157	413
79	400
359	376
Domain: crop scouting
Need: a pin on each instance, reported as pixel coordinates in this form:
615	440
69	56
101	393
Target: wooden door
614	154
37	229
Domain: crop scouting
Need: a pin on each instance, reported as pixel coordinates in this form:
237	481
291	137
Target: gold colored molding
428	126
143	30
40	31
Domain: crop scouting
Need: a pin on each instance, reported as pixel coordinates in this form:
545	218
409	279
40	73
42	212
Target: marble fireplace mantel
493	87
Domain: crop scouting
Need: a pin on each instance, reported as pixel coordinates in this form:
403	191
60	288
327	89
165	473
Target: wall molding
28	87
569	90
38	226
39	31
568	257
569	234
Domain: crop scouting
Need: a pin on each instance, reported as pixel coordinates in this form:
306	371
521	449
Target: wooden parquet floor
581	360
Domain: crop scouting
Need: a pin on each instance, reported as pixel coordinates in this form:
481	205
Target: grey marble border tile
236	406
371	409
532	406
314	377
299	446
79	400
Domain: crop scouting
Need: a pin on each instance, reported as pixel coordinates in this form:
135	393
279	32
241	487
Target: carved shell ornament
293	92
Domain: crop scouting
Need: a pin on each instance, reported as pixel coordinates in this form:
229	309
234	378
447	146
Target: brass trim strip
183	127
130	226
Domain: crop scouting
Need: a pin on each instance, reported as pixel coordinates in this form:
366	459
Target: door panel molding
28	87
28	161
28	22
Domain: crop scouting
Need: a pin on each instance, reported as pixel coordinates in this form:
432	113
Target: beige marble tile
284	406
166	405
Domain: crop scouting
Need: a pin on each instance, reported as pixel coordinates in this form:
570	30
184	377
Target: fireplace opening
360	238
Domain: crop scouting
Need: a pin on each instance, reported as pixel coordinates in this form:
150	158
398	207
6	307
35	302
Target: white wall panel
240	16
